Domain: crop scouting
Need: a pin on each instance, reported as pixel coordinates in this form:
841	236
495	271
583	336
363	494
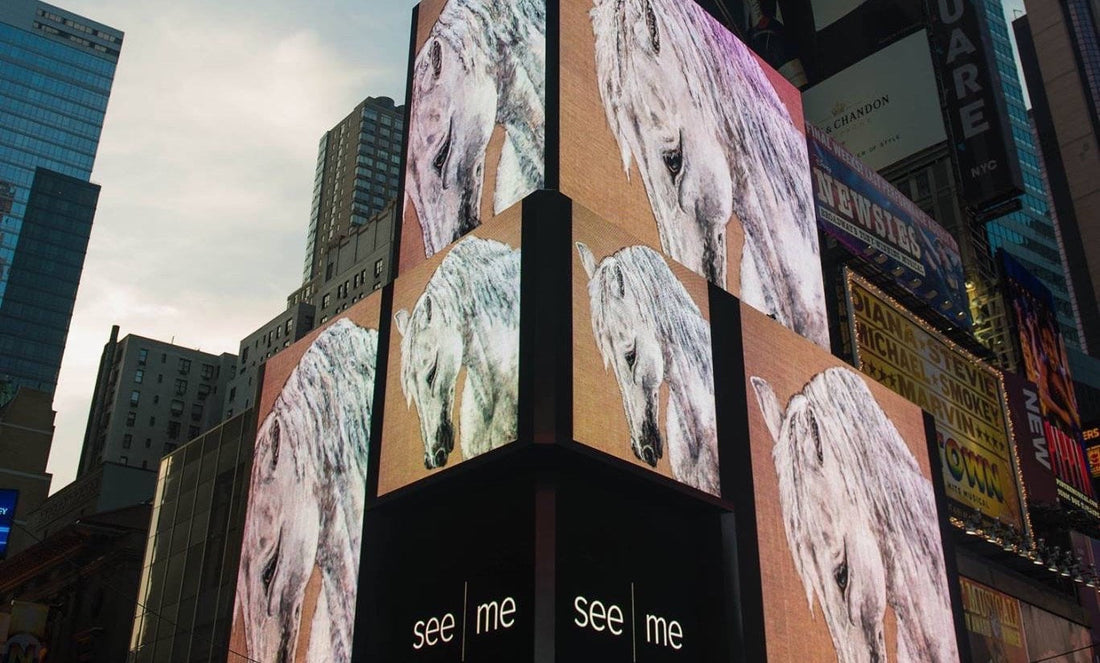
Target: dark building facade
56	71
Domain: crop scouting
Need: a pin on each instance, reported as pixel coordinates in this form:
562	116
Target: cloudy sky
206	164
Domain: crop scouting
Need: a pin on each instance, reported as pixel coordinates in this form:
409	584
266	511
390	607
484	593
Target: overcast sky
206	163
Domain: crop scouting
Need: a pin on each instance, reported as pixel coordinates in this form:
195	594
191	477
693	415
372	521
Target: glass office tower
56	71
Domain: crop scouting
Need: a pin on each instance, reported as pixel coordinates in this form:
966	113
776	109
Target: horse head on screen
467	318
860	520
650	332
306	500
483	66
713	142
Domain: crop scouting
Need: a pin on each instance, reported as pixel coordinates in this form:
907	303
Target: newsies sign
976	114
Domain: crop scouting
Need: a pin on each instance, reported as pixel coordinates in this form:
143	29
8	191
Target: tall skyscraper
358	162
56	71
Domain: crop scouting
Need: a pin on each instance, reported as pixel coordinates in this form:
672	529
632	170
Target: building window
160	378
207	371
148	443
131	417
196	411
163	357
181	387
124	460
169	447
127	440
204	391
139	375
135	396
378	268
144	464
177	408
173	430
326	300
152	421
193	432
143	354
185	366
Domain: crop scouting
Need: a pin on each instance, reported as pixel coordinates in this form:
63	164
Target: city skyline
213	126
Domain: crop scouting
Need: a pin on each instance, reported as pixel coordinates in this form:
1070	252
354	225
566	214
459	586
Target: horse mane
880	473
669	308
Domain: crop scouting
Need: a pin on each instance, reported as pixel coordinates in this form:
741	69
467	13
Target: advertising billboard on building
885	107
1043	355
8	500
1053	638
676	132
993	623
477	118
643	378
879	225
1091	436
1032	446
453	366
297	580
846	514
963	395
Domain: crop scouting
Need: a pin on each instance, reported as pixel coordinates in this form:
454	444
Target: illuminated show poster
874	221
1043	354
643	366
846	513
477	118
676	132
1052	638
994	624
454	358
296	585
8	500
965	397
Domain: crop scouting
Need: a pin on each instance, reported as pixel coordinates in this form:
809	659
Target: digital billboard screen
298	575
846	517
8	499
963	395
883	108
1043	355
1032	446
477	118
994	624
673	130
643	369
452	390
880	226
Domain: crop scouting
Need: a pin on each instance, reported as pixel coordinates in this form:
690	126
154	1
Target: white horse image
651	332
713	141
483	65
860	520
305	508
468	317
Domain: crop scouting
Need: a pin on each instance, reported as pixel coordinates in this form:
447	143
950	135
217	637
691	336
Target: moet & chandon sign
984	153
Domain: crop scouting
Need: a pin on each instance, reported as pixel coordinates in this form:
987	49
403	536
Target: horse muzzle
649	448
436	456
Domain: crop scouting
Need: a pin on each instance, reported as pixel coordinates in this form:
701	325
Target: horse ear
769	406
587	259
619	279
401	319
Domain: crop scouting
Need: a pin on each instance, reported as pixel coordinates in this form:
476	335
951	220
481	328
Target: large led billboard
675	131
452	390
477	118
8	499
643	371
852	564
1032	446
297	580
882	227
1043	355
963	394
883	108
994	624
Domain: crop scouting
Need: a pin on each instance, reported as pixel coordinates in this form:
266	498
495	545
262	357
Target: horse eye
631	357
430	378
651	23
840	575
441	156
269	569
276	432
674	161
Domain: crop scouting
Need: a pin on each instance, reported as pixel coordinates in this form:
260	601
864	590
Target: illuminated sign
452	391
963	395
840	464
298	574
882	227
8	499
477	119
994	623
678	134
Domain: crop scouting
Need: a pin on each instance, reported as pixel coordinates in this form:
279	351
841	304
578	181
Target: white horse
305	508
860	520
483	65
713	141
468	317
651	332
